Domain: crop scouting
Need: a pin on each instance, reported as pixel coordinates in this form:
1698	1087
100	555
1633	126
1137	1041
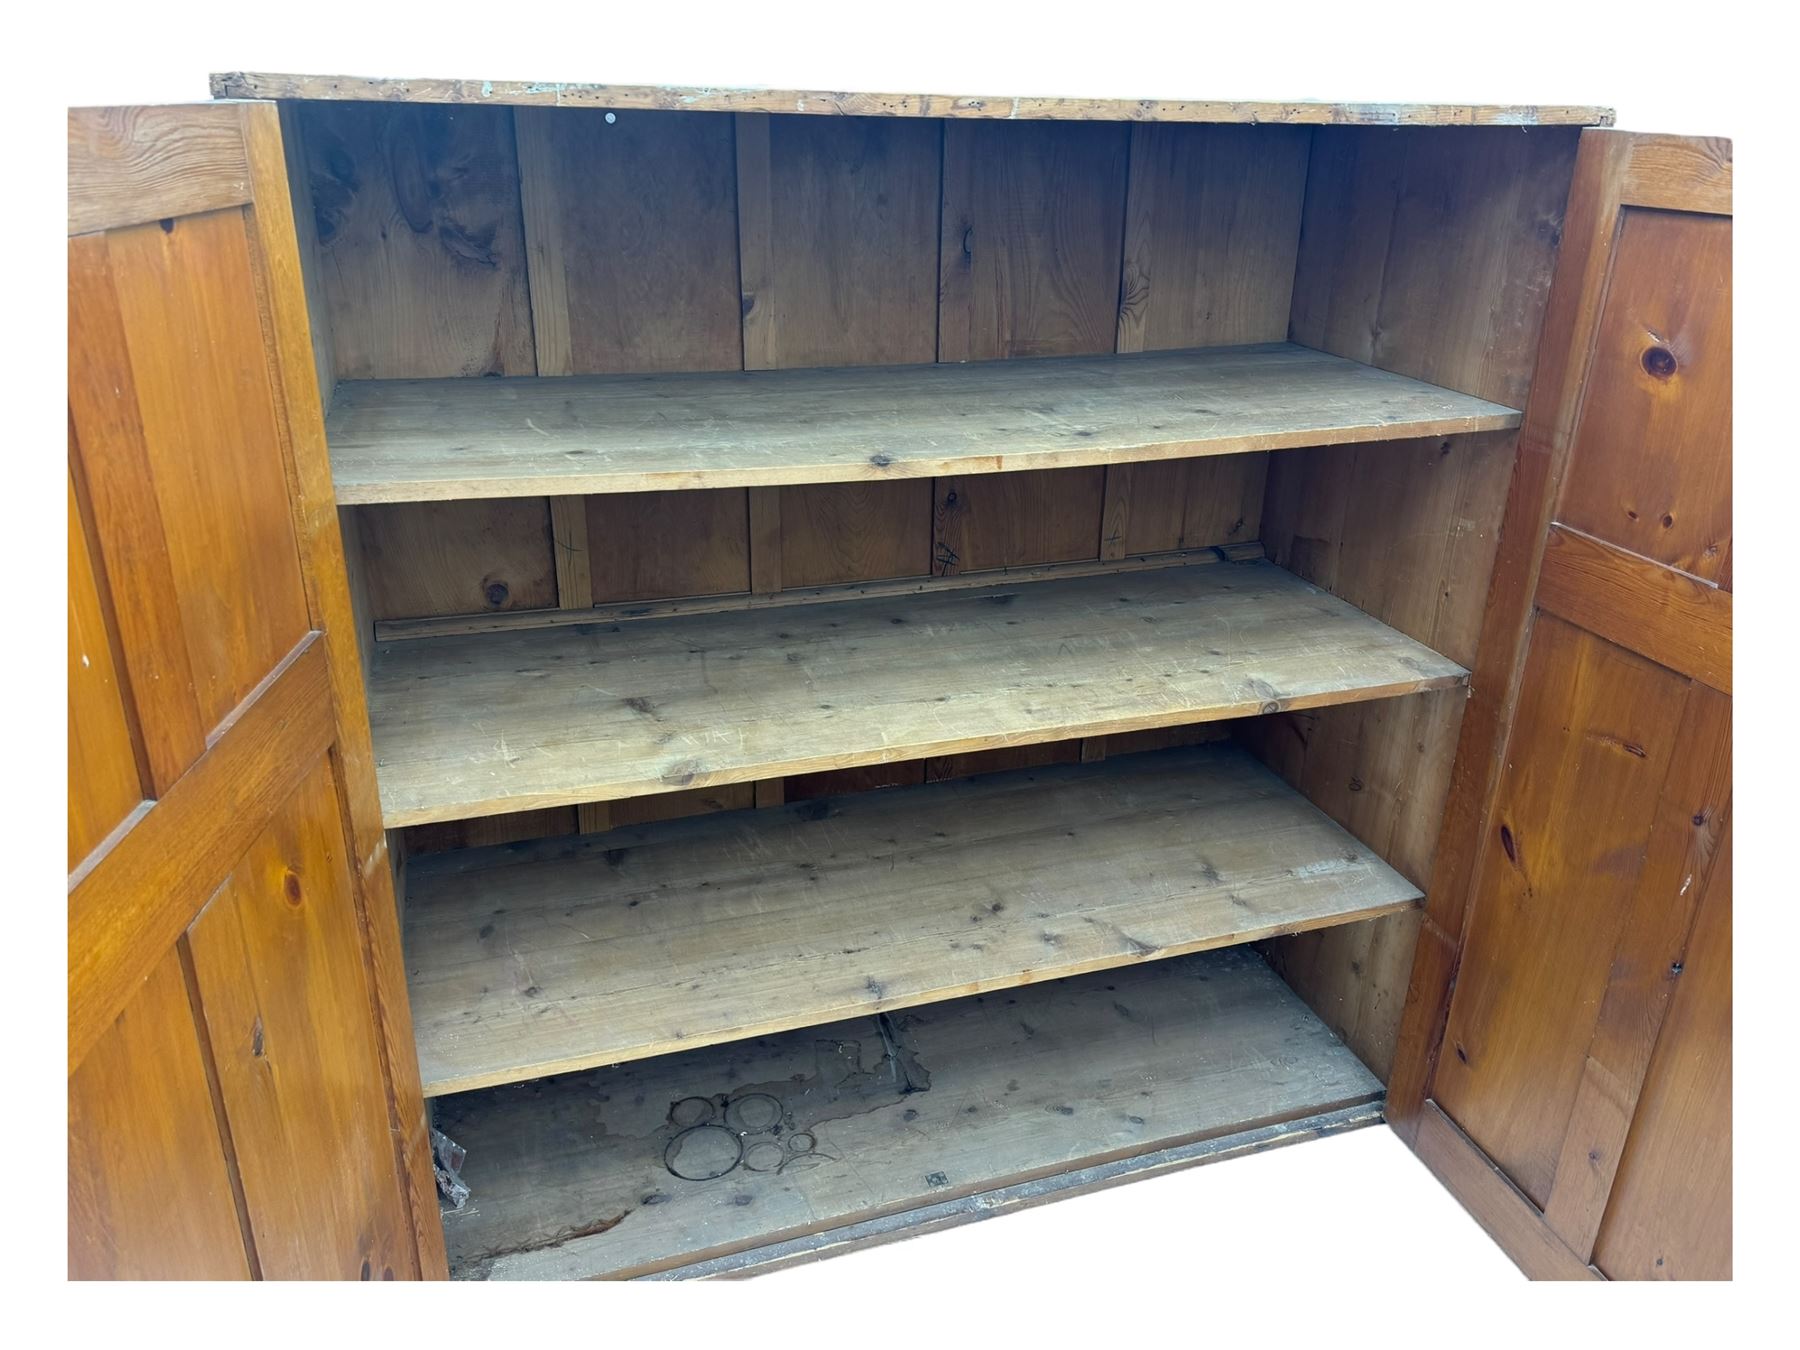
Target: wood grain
1430	254
1193	503
1670	1213
130	166
1674	619
439	440
1573	307
985	521
657	544
427	558
834	533
901	1111
421	246
280	976
111	468
286	294
1592	742
1029	253
530	962
105	785
465	726
150	1194
1660	376
1686	843
838	237
630	222
241	84
892	587
1212	232
214	446
1496	1204
128	905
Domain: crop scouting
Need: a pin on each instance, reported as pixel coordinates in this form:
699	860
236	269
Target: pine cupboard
756	672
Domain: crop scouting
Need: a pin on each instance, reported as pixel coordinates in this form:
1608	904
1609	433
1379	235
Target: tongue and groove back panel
472	241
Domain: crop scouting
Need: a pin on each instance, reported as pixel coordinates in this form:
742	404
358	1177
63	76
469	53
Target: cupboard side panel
1430	256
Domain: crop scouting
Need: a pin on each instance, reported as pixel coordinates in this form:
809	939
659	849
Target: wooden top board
435	440
485	724
539	93
561	955
670	1161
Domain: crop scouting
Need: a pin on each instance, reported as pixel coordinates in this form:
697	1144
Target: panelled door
243	1096
1565	1061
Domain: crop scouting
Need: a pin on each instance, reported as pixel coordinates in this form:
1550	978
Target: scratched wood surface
433	440
531	961
571	1177
469	726
559	94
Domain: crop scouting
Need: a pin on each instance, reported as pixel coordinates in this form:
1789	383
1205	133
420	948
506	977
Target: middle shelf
485	724
535	959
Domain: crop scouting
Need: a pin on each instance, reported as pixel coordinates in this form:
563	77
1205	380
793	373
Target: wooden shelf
437	440
564	955
845	1123
481	725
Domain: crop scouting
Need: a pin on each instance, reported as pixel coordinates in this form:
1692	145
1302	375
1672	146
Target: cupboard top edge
528	93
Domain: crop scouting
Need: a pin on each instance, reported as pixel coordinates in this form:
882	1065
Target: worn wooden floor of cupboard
627	1171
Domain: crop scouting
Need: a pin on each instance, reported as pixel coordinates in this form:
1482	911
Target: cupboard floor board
691	1157
438	440
527	960
487	723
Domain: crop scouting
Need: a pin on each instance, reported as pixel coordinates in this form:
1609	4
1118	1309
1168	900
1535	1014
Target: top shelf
543	93
453	439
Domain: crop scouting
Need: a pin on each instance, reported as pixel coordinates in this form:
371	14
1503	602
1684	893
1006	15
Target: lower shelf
738	1148
546	958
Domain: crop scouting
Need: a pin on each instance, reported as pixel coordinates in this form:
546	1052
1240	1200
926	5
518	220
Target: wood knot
290	887
1659	363
497	593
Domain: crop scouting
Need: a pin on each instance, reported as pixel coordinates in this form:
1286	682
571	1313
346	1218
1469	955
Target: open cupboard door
243	1094
1565	1056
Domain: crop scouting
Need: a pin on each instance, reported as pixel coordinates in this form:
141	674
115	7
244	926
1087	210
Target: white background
1346	1239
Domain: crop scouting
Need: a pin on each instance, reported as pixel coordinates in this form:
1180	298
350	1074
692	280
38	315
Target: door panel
1540	1072
1592	742
150	1195
103	771
242	1094
1670	1216
1653	474
185	289
285	995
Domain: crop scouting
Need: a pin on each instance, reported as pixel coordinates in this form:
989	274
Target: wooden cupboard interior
820	577
916	657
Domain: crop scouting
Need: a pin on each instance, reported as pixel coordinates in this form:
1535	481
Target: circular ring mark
801	1141
690	1111
764	1155
1659	362
753	1113
703	1153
